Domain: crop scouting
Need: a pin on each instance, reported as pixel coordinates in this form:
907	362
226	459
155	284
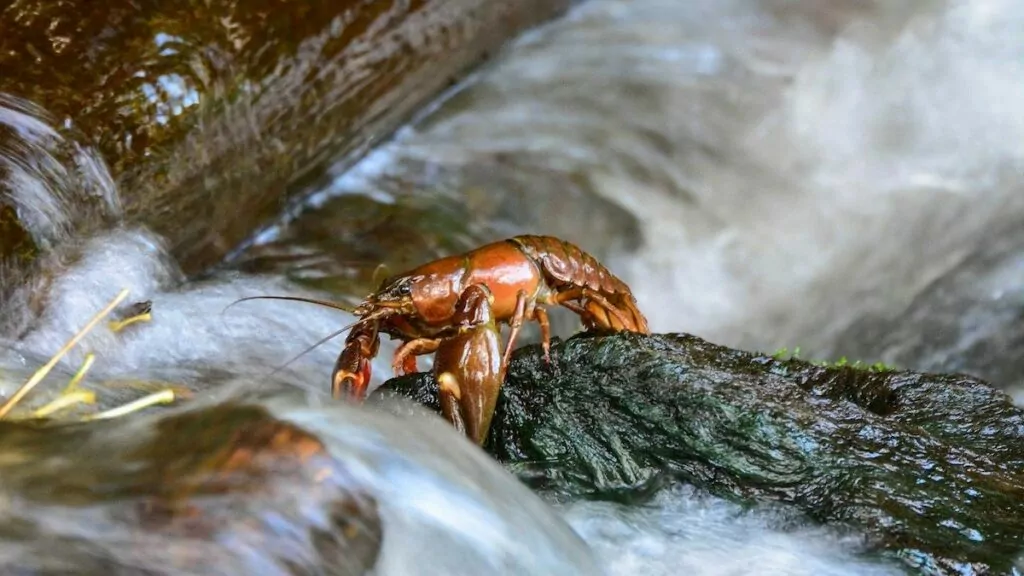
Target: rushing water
762	174
789	167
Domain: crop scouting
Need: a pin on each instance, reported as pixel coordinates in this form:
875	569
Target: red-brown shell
565	265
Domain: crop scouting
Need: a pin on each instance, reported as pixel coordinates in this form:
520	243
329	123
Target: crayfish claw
450	395
340	384
347	384
447	383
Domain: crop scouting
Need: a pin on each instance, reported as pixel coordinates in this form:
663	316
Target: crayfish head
427	296
395	295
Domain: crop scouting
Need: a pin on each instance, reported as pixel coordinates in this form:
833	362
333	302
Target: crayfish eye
397	291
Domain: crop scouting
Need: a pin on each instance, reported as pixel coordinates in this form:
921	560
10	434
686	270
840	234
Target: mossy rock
223	489
929	466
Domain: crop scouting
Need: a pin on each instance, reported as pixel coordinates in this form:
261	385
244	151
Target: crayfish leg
405	356
409	365
541	316
515	323
616	319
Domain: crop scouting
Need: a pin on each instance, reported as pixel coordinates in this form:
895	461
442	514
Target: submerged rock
214	491
272	483
928	466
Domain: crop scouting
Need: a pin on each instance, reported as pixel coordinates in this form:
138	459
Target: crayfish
453	306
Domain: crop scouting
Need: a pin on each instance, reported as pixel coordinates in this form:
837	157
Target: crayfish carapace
453	306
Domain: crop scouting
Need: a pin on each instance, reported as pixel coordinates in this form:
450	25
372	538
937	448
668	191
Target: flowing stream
763	174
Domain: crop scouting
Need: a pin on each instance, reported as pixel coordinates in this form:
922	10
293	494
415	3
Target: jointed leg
405	357
566	295
565	299
609	307
596	316
585	316
409	364
541	316
515	323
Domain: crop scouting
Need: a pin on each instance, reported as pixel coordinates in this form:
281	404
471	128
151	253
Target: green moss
782	354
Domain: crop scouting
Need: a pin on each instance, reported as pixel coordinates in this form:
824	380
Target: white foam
192	326
45	174
681	533
447	507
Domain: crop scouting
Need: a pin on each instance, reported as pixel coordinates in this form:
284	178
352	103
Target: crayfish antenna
376	315
380	274
318	343
325	303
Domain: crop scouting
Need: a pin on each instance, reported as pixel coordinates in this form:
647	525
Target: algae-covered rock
930	467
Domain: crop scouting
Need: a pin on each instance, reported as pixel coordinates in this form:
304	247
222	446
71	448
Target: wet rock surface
212	115
930	466
223	490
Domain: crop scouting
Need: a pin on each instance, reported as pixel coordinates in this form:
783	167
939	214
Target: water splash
193	330
56	186
685	532
448	508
